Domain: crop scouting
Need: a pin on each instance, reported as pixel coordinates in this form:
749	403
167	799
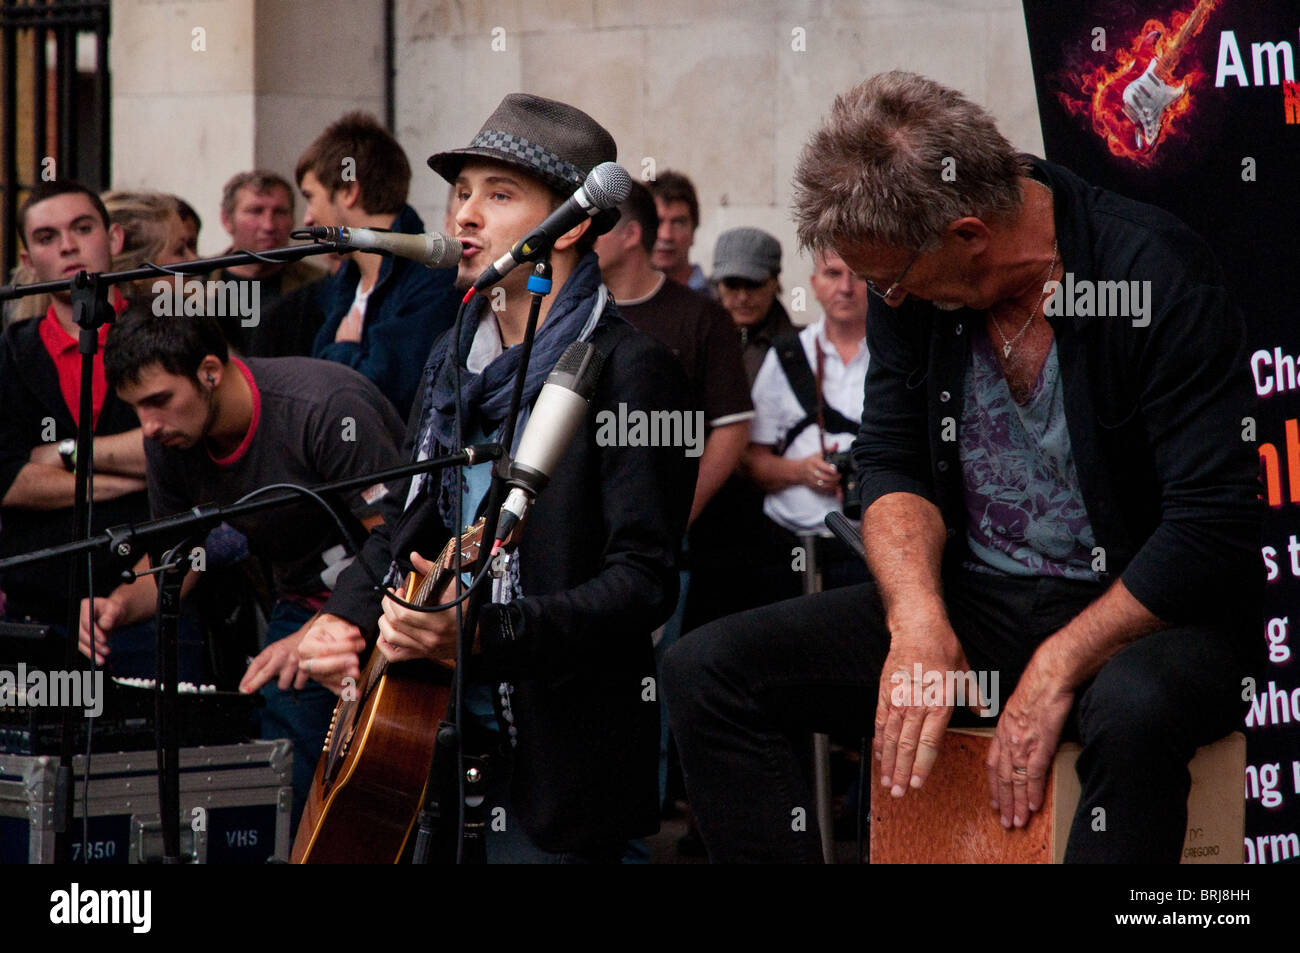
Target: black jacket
756	339
1154	412
29	394
599	574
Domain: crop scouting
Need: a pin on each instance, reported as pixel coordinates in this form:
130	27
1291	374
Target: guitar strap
807	390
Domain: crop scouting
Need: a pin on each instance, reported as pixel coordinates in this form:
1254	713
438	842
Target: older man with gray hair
257	210
1054	494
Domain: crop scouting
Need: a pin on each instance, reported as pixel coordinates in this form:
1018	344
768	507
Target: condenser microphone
559	411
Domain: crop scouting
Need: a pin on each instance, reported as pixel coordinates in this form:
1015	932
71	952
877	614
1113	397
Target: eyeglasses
889	292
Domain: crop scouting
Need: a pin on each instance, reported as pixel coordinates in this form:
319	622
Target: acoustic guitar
371	777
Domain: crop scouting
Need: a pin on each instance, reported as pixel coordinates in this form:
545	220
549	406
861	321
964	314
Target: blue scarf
485	397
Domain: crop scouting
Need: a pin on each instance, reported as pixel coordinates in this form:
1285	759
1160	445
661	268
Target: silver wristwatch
68	454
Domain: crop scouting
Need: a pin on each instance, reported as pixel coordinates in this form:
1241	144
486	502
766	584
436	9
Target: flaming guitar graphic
1135	105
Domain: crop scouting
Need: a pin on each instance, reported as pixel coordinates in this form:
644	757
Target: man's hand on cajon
908	732
1027	736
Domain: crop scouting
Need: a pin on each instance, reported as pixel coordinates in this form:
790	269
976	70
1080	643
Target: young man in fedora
567	632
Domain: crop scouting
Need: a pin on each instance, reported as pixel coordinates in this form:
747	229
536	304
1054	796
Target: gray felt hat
748	253
552	141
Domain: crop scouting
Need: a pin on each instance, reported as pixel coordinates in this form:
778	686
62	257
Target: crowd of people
646	562
268	404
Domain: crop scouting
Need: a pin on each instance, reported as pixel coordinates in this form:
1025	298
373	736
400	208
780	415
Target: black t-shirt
700	334
315	421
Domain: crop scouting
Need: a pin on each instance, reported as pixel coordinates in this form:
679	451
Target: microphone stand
448	774
91	312
194	267
171	575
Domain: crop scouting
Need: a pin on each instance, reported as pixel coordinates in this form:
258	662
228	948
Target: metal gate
54	102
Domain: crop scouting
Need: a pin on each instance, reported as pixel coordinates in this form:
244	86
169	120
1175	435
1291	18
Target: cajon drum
949	821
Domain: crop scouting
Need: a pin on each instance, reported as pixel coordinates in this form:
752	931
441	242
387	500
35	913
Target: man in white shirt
790	441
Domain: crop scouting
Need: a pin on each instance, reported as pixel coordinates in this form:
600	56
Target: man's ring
1020	770
821	482
308	665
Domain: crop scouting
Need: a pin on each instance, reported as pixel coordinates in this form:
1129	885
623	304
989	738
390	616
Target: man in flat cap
566	637
746	274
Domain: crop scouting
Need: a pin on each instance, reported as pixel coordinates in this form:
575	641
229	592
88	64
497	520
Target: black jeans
743	693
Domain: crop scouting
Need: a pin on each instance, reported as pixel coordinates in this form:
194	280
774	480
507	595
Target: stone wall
724	91
252	89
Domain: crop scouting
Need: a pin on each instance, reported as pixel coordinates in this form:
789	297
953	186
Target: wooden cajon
949	821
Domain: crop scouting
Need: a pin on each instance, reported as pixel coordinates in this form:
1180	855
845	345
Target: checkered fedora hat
552	141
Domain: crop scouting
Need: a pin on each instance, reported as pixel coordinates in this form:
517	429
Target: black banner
1195	107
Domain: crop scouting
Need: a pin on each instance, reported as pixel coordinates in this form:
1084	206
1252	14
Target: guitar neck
1169	59
422	590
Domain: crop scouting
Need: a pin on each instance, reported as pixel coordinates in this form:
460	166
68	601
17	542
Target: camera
851	504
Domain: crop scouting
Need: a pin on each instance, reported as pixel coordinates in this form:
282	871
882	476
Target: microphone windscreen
443	251
608	185
578	369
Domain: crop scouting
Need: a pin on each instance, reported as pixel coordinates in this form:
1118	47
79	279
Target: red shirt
233	458
62	348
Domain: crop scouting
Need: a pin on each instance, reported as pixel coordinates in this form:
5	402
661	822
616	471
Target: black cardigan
1155	412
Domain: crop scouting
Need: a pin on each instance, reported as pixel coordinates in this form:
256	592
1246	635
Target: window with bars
54	102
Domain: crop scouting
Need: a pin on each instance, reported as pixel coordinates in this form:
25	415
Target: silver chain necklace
1007	344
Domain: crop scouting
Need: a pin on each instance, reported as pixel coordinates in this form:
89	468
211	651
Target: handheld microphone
431	249
560	409
606	186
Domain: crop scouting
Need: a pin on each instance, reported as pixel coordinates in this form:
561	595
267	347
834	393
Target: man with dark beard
216	428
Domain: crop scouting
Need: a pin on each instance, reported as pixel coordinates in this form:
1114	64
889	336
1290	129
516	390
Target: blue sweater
408	310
